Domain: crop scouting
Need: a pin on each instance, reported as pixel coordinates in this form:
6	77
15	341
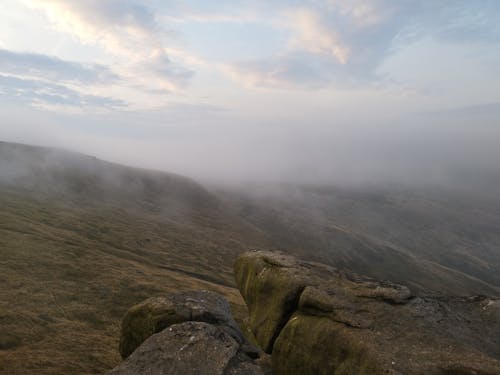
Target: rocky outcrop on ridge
315	319
311	319
185	333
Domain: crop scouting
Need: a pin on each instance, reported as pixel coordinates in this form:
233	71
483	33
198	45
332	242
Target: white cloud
342	43
311	34
363	13
119	28
128	32
318	42
282	72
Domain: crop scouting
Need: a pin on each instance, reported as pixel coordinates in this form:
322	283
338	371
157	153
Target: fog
449	149
325	92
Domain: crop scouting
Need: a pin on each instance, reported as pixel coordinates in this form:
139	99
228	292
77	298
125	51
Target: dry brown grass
70	270
84	240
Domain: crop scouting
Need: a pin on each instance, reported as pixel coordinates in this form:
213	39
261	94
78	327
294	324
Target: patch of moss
315	345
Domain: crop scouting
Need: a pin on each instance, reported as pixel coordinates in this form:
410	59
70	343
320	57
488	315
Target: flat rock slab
190	348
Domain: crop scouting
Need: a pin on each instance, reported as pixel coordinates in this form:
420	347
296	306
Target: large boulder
190	348
315	319
155	314
186	333
271	288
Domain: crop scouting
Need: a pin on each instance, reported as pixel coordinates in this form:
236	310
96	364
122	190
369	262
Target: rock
315	319
156	314
186	333
271	290
315	345
189	348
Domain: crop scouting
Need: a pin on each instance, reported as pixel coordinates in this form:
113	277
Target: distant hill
432	240
81	240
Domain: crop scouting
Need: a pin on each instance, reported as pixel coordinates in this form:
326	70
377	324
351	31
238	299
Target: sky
318	90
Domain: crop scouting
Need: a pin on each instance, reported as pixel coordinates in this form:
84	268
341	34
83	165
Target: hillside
432	240
82	240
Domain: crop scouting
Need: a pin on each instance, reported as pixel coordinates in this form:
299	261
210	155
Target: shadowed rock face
185	333
189	348
315	319
155	314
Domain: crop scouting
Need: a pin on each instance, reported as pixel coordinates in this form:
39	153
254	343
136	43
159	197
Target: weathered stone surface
190	348
156	314
314	319
316	345
271	290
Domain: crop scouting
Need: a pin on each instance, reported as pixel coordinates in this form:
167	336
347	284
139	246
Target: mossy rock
315	319
155	314
318	346
271	293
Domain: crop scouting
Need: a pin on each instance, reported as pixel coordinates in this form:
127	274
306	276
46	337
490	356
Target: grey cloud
164	67
54	69
40	79
483	110
32	91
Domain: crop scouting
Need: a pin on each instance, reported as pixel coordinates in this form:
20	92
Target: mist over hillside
413	152
82	239
387	231
145	145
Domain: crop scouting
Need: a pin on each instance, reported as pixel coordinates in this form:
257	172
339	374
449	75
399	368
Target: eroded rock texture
155	314
189	348
185	333
315	319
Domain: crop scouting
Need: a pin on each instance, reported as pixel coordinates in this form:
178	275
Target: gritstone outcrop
185	333
315	319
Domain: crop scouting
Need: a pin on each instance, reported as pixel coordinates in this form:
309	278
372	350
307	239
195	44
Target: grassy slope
78	248
435	242
71	269
83	240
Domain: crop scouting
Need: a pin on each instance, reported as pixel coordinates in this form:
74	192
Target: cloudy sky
318	89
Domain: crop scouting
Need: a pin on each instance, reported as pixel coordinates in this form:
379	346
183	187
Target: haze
314	91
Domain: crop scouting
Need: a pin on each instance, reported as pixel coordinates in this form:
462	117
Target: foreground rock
185	333
155	314
189	348
315	319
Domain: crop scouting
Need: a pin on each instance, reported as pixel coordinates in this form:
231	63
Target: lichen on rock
186	333
315	319
189	348
155	314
